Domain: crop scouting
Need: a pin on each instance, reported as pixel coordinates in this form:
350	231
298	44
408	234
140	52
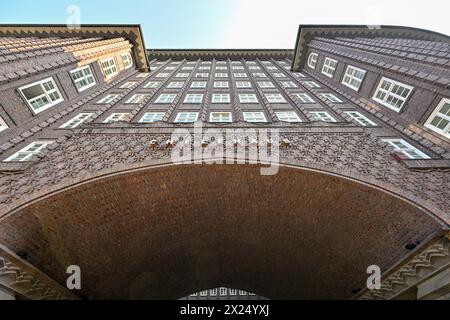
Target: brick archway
168	231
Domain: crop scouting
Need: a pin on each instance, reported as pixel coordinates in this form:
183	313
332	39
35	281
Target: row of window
217	84
397	145
390	93
45	93
220	75
197	98
221	292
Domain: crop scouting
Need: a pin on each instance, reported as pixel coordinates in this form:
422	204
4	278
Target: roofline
132	32
358	31
220	53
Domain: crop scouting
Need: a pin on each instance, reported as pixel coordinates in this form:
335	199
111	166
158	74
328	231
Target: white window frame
407	149
330	97
87	74
127	60
259	75
254	116
275	98
220	84
248	98
279	75
329	67
311	84
128	85
3	125
243	84
108	98
176	85
304	98
47	95
152	84
27	155
182	75
220	117
388	93
220	98
188	115
266	84
115	117
166	98
240	75
323	116
437	113
137	98
223	292
288	116
221	75
110	70
233	292
289	84
202	75
350	77
360	118
198	84
155	117
312	60
162	75
193	98
213	292
77	121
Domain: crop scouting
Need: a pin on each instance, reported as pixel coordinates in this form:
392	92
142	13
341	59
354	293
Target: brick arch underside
163	233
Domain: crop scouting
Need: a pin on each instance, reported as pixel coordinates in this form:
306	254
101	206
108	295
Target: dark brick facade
104	198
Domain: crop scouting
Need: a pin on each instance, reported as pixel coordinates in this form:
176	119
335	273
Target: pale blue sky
230	23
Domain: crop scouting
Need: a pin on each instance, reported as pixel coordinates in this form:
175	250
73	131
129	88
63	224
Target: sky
175	24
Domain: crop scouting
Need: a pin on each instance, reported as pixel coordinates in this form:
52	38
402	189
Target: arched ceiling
168	231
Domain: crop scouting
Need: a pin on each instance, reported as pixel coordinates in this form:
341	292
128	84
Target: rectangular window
202	75
254	68
198	84
259	75
221	84
220	98
127	60
186	117
240	75
115	117
175	85
3	125
439	120
312	60
279	75
288	84
272	68
275	98
142	75
77	121
182	75
41	95
288	116
169	68
166	98
187	68
303	97
204	68
392	94
150	117
83	78
109	67
108	99
221	68
28	152
238	68
330	97
162	75
400	145
248	98
353	77
243	84
361	119
221	75
193	98
204	293
223	291
137	98
152	84
254	117
329	67
322	116
220	117
266	84
128	85
213	292
233	292
311	84
242	293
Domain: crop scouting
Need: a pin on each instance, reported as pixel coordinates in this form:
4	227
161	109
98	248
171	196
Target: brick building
87	179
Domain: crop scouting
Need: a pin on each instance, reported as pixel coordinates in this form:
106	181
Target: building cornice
179	54
308	32
132	33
